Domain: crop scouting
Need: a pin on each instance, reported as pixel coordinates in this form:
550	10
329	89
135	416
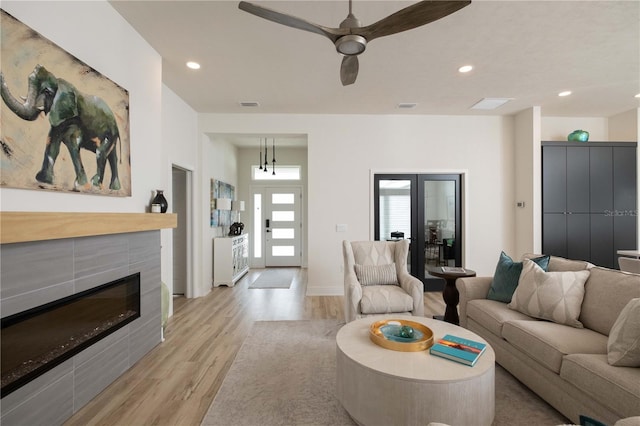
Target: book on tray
459	349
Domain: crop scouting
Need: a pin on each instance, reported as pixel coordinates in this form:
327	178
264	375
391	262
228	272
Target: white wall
527	174
558	128
343	150
624	127
180	142
218	159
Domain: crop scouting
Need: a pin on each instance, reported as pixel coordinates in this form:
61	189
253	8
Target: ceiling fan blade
290	21
411	17
349	70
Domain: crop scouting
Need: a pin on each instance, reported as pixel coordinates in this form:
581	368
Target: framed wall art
220	189
63	125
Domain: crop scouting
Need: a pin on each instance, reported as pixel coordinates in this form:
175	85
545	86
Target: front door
283	226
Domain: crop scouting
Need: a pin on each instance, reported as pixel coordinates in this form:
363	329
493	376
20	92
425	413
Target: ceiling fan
351	38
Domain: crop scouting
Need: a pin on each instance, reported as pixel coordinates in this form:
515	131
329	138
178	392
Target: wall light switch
341	227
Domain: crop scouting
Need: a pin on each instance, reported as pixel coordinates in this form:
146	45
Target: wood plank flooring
175	383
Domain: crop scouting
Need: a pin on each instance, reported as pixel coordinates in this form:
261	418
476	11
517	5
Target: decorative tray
401	335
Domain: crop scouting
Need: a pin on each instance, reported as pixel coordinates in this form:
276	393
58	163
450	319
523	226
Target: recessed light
638	95
465	68
193	65
565	93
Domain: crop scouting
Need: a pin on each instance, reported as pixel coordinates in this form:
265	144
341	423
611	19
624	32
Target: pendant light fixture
266	164
260	155
273	161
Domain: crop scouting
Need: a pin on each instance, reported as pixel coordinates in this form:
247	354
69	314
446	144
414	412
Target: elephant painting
77	120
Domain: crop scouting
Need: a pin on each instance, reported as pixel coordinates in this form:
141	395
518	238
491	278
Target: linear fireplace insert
35	341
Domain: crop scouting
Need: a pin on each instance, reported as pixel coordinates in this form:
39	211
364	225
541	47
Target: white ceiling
525	50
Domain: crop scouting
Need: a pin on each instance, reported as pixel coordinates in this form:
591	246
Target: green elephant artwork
77	121
50	99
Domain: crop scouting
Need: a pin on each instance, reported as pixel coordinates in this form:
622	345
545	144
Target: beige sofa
566	366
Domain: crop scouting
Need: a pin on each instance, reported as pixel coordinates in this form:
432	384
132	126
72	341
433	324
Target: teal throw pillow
505	279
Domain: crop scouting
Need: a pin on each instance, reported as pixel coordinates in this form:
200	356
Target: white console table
230	259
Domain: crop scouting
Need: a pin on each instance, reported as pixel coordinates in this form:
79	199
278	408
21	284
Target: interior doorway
181	184
427	210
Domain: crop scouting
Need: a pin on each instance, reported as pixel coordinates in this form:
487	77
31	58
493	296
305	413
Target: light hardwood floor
175	383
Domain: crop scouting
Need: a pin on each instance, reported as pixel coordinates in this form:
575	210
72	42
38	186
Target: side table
450	292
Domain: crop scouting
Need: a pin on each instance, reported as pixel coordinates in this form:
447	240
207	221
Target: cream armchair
376	280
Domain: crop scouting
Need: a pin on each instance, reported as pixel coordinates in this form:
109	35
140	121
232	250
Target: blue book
458	349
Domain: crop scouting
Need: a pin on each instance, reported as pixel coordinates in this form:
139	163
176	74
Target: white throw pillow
623	347
377	274
553	296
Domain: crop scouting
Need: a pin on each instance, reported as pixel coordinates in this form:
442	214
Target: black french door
426	209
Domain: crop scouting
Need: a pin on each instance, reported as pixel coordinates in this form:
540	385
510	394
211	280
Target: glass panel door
426	209
283	227
394	209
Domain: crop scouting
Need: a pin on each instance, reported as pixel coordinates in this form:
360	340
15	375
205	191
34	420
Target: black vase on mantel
159	199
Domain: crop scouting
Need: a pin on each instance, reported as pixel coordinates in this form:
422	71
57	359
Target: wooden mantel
18	227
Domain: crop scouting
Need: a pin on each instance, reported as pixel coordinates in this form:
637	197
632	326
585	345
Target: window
282	173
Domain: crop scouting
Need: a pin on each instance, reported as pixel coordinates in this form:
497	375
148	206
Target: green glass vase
578	136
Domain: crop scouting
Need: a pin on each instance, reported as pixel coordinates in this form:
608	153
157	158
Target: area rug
273	278
284	374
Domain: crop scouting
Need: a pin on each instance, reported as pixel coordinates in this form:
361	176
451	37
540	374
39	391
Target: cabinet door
601	179
624	233
578	179
554	179
625	192
578	236
554	234
602	251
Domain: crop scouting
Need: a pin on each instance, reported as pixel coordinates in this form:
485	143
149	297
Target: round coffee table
378	386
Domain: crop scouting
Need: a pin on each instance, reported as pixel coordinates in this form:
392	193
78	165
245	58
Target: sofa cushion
548	342
560	264
383	299
506	276
623	348
376	274
615	387
492	315
554	296
607	292
629	421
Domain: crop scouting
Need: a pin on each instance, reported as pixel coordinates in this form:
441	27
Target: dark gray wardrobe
589	200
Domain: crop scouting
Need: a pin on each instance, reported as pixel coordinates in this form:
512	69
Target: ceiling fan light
351	44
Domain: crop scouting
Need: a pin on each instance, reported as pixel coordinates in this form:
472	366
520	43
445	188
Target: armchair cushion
376	274
384	299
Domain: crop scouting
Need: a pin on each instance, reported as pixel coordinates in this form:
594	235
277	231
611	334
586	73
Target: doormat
273	278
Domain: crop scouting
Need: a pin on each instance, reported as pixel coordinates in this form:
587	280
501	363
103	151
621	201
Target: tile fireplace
61	270
39	339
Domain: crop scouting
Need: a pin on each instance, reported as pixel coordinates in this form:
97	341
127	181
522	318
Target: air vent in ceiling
250	104
491	103
407	105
